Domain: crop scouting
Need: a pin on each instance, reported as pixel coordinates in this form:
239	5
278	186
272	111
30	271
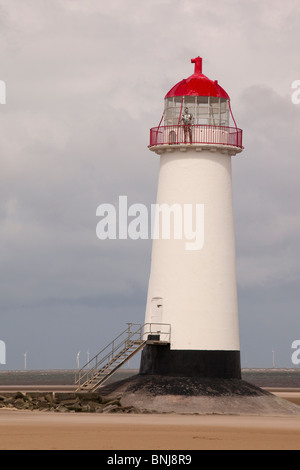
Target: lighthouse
192	302
190	344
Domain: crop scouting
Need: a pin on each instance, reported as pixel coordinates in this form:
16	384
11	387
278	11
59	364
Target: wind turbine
25	361
78	355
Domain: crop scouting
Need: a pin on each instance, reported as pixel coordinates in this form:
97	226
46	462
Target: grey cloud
86	81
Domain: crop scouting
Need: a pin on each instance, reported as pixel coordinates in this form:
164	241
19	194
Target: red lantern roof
198	85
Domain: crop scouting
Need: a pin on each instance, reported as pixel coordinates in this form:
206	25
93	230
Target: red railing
176	135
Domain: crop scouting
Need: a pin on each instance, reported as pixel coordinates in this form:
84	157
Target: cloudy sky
85	83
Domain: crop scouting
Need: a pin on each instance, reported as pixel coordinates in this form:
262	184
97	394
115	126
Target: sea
265	378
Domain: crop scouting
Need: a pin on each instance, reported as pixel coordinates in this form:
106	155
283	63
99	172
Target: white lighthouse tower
192	296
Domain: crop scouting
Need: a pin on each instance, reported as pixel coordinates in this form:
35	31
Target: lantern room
206	100
197	112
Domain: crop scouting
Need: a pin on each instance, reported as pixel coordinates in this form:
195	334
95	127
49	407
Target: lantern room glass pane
172	111
224	118
202	111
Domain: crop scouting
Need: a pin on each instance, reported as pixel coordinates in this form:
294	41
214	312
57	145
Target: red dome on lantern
198	85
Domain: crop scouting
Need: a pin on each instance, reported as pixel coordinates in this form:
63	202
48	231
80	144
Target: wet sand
50	431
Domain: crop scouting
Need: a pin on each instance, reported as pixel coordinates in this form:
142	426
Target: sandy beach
50	431
37	430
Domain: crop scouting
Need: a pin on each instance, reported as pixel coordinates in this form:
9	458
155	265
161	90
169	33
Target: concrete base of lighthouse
161	360
195	382
193	395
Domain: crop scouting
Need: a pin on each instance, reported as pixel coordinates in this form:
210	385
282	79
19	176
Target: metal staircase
99	369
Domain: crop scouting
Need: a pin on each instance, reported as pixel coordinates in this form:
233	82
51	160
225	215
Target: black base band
161	360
